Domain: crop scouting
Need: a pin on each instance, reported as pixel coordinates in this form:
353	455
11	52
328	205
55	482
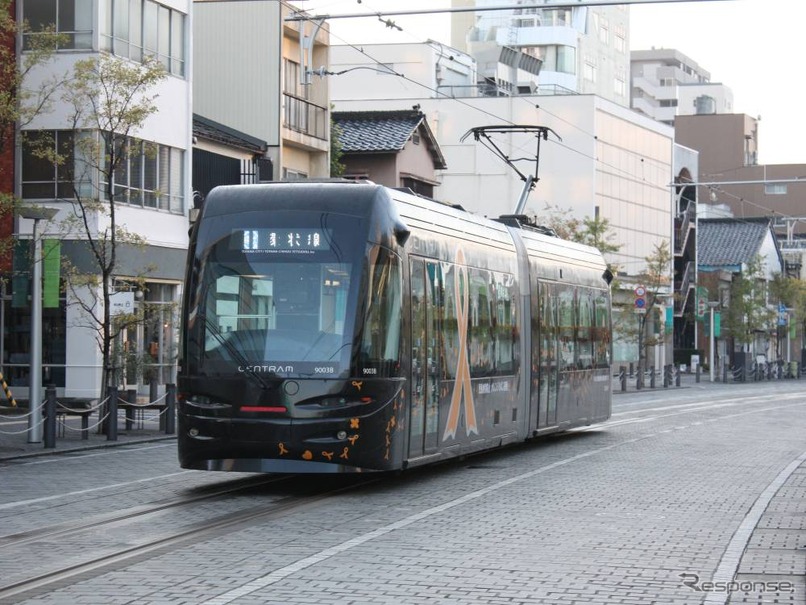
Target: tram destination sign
280	240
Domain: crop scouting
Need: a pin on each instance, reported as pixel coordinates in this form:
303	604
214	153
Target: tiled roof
729	242
213	131
384	132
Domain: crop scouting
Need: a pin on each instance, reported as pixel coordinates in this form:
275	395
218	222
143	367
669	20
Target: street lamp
712	304
36	214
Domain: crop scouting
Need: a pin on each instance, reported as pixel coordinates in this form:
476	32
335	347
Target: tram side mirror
402	235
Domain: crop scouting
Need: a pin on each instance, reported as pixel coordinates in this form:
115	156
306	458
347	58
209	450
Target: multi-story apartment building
666	83
581	49
153	204
254	72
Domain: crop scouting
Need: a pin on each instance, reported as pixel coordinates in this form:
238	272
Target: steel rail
204	530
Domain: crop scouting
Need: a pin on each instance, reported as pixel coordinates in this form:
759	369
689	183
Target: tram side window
584	339
380	345
601	332
481	337
506	341
566	328
548	326
450	321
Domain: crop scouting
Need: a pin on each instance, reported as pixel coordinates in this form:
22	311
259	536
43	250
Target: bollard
50	416
153	396
622	374
677	377
652	377
170	409
697	374
639	377
112	414
131	398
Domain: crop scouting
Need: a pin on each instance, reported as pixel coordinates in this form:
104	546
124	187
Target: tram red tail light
263	408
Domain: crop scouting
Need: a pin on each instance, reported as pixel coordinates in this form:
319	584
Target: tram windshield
291	302
278	317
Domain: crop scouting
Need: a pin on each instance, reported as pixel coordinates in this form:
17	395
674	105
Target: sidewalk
14	434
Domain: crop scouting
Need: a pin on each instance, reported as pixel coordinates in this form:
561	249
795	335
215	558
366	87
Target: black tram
343	327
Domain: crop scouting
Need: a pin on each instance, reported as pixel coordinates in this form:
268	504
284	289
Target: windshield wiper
236	354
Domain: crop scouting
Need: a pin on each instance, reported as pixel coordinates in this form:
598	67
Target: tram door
548	356
424	420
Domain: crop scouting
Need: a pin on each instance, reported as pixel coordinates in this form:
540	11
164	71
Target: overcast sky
755	47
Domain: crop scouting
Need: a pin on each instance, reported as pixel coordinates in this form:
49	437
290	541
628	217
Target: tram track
198	531
99	521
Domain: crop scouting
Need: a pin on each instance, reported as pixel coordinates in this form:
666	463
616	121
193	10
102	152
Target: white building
154	206
666	83
581	49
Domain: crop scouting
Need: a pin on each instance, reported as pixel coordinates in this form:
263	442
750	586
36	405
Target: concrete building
155	194
728	146
253	73
581	49
665	83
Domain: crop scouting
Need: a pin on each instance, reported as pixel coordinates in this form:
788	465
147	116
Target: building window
48	161
604	32
149	175
775	189
289	174
619	40
589	70
620	86
292	80
566	59
70	19
136	28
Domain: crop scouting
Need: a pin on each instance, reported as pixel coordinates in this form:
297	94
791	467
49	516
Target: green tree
336	153
110	100
748	312
792	294
656	279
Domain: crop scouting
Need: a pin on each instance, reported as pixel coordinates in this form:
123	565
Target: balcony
306	118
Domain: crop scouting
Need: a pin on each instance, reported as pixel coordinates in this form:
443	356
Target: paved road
695	495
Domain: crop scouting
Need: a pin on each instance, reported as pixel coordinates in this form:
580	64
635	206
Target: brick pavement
770	567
